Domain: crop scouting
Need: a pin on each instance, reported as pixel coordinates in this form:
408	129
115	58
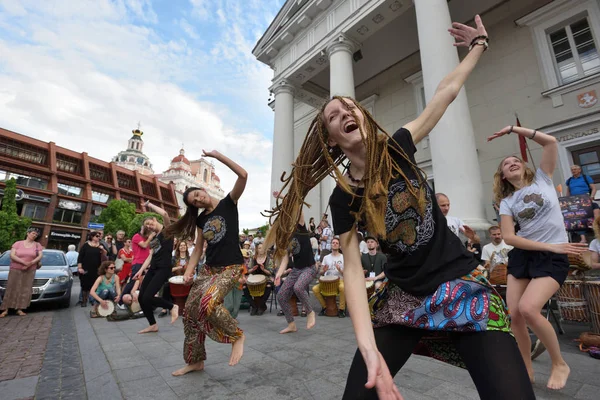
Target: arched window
206	176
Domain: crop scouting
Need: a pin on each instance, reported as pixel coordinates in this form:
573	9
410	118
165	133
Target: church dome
181	158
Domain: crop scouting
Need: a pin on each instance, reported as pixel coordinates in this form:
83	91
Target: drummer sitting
373	262
332	265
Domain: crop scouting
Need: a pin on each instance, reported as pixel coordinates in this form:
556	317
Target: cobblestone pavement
97	359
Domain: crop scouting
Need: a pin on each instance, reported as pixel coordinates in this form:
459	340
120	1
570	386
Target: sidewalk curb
99	380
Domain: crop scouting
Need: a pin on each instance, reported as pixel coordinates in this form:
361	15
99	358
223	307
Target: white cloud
84	80
187	28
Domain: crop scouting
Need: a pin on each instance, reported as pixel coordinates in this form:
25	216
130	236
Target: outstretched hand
569	248
464	34
504	131
379	377
212	153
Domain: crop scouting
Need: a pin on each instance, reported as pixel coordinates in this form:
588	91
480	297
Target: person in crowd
314	244
261	265
333	265
474	246
374	262
579	184
120	241
251	241
247	253
303	272
456	225
362	244
25	256
106	288
258	239
233	299
191	245
325	238
242	239
72	256
384	189
110	246
498	248
159	267
311	225
140	245
179	263
90	258
126	255
538	264
595	249
218	225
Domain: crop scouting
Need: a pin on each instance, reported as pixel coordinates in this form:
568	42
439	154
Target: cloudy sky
83	73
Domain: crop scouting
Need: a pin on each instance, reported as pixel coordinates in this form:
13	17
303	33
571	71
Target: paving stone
588	392
18	388
149	388
132	374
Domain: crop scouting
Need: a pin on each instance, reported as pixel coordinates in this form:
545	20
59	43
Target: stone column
283	134
341	83
454	159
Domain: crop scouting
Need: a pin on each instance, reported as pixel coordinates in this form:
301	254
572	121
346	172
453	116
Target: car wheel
66	303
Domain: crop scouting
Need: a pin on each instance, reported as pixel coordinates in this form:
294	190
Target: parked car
52	282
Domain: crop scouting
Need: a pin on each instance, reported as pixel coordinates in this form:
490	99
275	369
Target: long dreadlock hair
317	159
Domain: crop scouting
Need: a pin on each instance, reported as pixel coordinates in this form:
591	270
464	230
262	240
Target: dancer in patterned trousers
218	225
433	285
303	272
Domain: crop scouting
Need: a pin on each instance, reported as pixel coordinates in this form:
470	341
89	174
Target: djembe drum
571	303
498	272
179	290
370	288
592	295
330	288
256	285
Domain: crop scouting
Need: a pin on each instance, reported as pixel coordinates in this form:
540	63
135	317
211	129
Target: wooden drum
256	285
498	275
330	287
580	261
592	295
571	303
370	288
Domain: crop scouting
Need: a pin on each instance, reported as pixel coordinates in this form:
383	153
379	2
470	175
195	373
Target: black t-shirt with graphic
422	251
220	230
301	249
161	249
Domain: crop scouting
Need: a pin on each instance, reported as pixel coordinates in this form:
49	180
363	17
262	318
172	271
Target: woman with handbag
25	256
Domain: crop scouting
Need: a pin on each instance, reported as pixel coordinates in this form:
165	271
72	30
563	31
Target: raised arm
450	86
549	145
146	243
240	183
159	211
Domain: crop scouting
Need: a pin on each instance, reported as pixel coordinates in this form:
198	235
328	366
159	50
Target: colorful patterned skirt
466	304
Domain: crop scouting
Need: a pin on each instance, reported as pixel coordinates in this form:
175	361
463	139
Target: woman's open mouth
350	127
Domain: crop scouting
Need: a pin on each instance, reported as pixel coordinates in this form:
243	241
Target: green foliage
135	224
12	226
245	231
264	229
117	215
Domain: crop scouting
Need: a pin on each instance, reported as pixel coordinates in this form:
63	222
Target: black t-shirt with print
422	251
301	249
220	229
161	249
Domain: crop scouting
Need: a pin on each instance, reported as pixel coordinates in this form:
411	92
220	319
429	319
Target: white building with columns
390	55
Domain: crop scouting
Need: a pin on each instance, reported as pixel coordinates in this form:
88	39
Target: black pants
130	283
492	358
153	281
259	302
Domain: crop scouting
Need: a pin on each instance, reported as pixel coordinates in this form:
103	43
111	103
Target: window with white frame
416	80
574	49
565	35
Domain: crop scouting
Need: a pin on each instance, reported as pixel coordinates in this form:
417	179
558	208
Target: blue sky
83	73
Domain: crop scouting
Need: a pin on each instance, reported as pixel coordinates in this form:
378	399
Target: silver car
52	282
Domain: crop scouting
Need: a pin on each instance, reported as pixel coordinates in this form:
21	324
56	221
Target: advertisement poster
577	212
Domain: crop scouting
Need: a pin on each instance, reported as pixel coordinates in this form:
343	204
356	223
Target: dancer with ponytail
303	272
204	313
538	264
433	285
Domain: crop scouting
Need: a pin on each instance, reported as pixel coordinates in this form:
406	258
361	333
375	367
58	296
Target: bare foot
311	320
290	328
20	313
189	368
558	376
174	313
4	314
151	328
237	350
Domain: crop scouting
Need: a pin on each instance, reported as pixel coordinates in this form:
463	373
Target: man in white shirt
326	238
497	247
456	225
258	239
332	265
362	245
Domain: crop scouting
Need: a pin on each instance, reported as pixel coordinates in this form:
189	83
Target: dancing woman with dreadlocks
204	314
433	285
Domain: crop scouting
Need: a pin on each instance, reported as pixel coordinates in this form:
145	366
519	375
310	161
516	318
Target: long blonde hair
317	159
502	187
